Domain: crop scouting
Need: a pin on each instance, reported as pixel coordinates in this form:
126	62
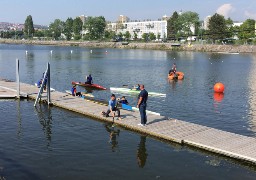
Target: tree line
218	28
179	26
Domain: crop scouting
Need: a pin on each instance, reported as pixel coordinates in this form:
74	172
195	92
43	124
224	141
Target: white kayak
51	89
133	91
130	108
148	112
83	94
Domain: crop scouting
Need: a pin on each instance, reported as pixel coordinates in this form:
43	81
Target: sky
46	11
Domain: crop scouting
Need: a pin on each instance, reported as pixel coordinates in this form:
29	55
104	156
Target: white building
206	22
140	27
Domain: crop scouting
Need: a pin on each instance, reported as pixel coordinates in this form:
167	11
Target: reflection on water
19	121
142	152
218	97
45	118
113	134
252	96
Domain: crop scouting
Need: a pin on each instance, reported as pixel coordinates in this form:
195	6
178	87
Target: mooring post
18	78
48	84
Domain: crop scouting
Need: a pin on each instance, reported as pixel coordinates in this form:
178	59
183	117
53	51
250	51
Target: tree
39	33
188	23
135	36
95	27
247	30
56	28
145	36
110	34
68	29
127	35
152	36
158	36
217	27
172	26
230	28
120	35
29	26
77	27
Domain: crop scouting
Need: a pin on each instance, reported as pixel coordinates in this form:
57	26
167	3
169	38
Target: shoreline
141	45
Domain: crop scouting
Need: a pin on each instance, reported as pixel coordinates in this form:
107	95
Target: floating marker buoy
26	52
219	87
71	51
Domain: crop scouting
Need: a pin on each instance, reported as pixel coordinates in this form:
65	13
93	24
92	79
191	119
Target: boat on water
83	94
133	91
130	108
228	52
179	76
92	86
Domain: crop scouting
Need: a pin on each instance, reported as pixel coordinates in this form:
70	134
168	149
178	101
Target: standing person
142	105
112	107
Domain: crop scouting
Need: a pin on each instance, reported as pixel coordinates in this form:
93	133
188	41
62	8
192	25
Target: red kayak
93	86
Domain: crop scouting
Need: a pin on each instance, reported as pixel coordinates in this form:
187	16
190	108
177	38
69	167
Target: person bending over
74	92
112	106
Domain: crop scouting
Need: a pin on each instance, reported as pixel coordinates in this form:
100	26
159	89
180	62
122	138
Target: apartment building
139	27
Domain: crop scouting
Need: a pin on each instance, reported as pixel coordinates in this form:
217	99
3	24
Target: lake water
51	143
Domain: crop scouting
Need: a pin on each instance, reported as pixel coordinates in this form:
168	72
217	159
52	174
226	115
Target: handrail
46	76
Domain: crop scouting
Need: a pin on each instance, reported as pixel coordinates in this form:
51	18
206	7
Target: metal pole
18	78
48	84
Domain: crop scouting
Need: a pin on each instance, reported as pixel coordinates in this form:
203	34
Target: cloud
225	10
250	14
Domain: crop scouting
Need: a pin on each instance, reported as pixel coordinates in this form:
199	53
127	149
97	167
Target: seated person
137	88
39	83
112	106
89	79
174	69
123	101
74	93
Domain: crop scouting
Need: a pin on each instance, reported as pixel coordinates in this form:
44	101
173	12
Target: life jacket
73	91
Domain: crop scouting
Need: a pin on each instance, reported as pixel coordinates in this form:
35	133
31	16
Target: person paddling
174	69
89	79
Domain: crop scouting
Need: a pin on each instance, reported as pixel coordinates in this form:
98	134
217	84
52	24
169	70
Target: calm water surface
56	144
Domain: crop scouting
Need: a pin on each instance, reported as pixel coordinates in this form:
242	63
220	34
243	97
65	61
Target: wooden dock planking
210	139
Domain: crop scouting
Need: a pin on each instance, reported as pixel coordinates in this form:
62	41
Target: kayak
133	91
51	89
83	94
92	86
179	76
130	108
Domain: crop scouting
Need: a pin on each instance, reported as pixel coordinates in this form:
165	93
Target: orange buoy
219	87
